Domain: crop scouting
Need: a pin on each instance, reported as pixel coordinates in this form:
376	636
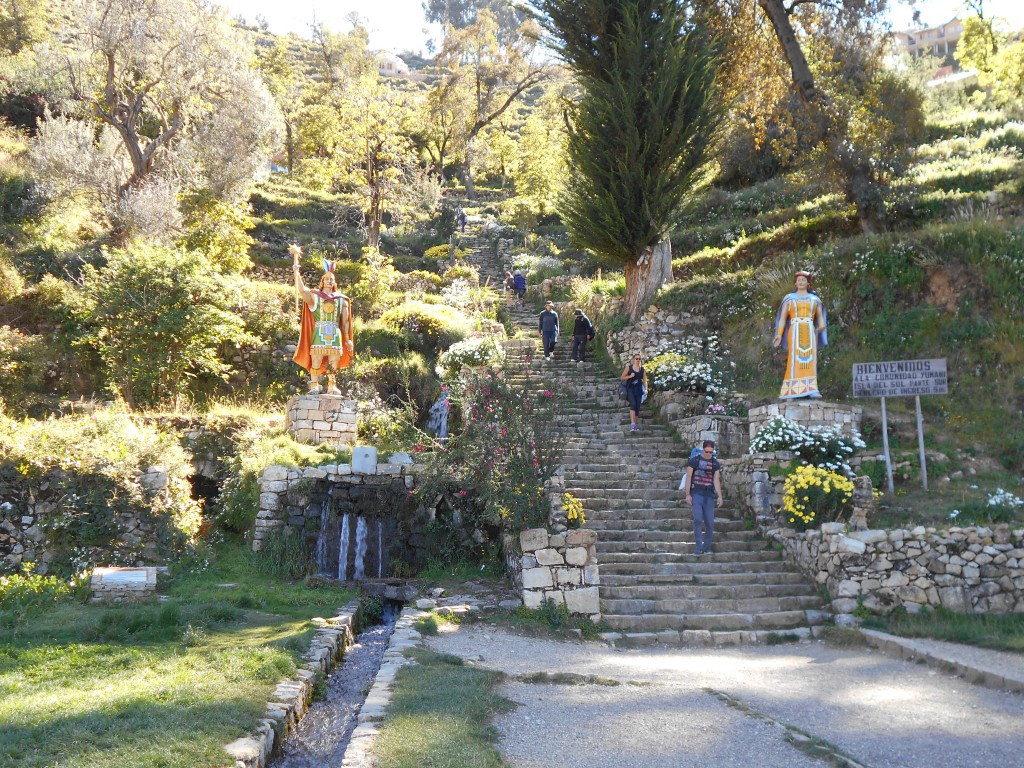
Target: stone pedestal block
319	419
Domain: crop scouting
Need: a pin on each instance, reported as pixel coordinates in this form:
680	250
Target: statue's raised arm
325	339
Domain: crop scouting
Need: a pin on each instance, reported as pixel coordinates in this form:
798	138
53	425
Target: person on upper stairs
547	325
634	375
519	283
703	485
582	332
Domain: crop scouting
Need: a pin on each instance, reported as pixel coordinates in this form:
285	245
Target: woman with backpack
634	386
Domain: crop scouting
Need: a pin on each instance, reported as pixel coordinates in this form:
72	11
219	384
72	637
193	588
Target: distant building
390	65
938	41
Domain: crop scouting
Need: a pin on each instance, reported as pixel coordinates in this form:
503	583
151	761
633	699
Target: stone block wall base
809	412
316	419
560	567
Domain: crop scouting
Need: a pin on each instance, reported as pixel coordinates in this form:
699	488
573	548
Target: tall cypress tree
640	131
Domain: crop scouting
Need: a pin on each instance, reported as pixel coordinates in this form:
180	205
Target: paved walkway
789	705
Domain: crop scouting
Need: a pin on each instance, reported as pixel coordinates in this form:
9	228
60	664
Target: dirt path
746	706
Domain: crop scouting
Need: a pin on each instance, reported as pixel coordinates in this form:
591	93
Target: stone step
612	551
695	565
733	529
771	620
703	591
714	605
615	561
739	578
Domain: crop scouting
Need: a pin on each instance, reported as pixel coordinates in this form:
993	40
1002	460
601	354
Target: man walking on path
582	332
703	484
547	324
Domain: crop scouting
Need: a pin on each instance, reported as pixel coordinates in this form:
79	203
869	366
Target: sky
399	25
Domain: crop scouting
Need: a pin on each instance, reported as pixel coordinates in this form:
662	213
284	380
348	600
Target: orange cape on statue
303	356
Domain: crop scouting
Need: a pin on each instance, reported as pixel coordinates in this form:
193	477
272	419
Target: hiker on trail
703	485
582	332
519	283
510	288
460	219
635	377
547	324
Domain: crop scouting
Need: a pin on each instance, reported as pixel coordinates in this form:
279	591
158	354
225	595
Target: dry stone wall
561	567
656	331
809	413
967	570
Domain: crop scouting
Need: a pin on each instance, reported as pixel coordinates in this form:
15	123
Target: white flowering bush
825	447
696	364
1003	498
531	262
469	353
457	294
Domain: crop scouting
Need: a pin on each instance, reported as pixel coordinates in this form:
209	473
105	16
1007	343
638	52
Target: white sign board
900	378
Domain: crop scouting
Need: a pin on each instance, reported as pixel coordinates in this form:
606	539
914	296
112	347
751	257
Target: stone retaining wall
729	432
561	567
23	539
286	492
292	696
967	570
656	331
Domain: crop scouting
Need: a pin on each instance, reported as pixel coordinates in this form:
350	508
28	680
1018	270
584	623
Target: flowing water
321	738
343	549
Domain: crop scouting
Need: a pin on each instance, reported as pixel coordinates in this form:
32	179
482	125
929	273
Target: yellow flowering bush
814	495
573	511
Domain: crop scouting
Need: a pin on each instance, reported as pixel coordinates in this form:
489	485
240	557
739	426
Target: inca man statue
325	341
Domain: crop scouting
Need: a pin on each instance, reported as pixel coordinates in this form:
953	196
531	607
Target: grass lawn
1002	632
439	716
165	684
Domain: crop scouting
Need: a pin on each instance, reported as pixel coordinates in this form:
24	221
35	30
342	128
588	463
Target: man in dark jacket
547	324
582	332
519	283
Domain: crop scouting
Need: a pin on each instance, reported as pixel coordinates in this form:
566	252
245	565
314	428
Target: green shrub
419	281
441	253
466	272
27	593
218	229
23	365
158	318
11	281
437	325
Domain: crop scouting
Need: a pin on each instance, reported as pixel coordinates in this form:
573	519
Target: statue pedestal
317	419
809	412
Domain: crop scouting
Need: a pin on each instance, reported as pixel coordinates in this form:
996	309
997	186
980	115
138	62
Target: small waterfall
321	539
380	548
360	567
343	549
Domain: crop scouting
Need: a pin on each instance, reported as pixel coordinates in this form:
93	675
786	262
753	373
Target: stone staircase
653	588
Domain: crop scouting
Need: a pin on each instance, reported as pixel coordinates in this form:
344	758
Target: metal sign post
901	378
885	447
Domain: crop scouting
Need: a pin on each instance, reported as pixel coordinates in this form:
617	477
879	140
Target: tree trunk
646	275
859	185
802	77
467	170
289	146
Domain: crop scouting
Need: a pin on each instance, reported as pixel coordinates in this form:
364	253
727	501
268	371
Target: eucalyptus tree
640	131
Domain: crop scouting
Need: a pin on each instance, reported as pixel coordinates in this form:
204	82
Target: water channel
321	738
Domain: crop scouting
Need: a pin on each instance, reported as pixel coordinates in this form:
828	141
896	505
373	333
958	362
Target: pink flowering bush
493	468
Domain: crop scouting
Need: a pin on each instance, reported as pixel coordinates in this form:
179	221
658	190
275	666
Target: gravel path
738	706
